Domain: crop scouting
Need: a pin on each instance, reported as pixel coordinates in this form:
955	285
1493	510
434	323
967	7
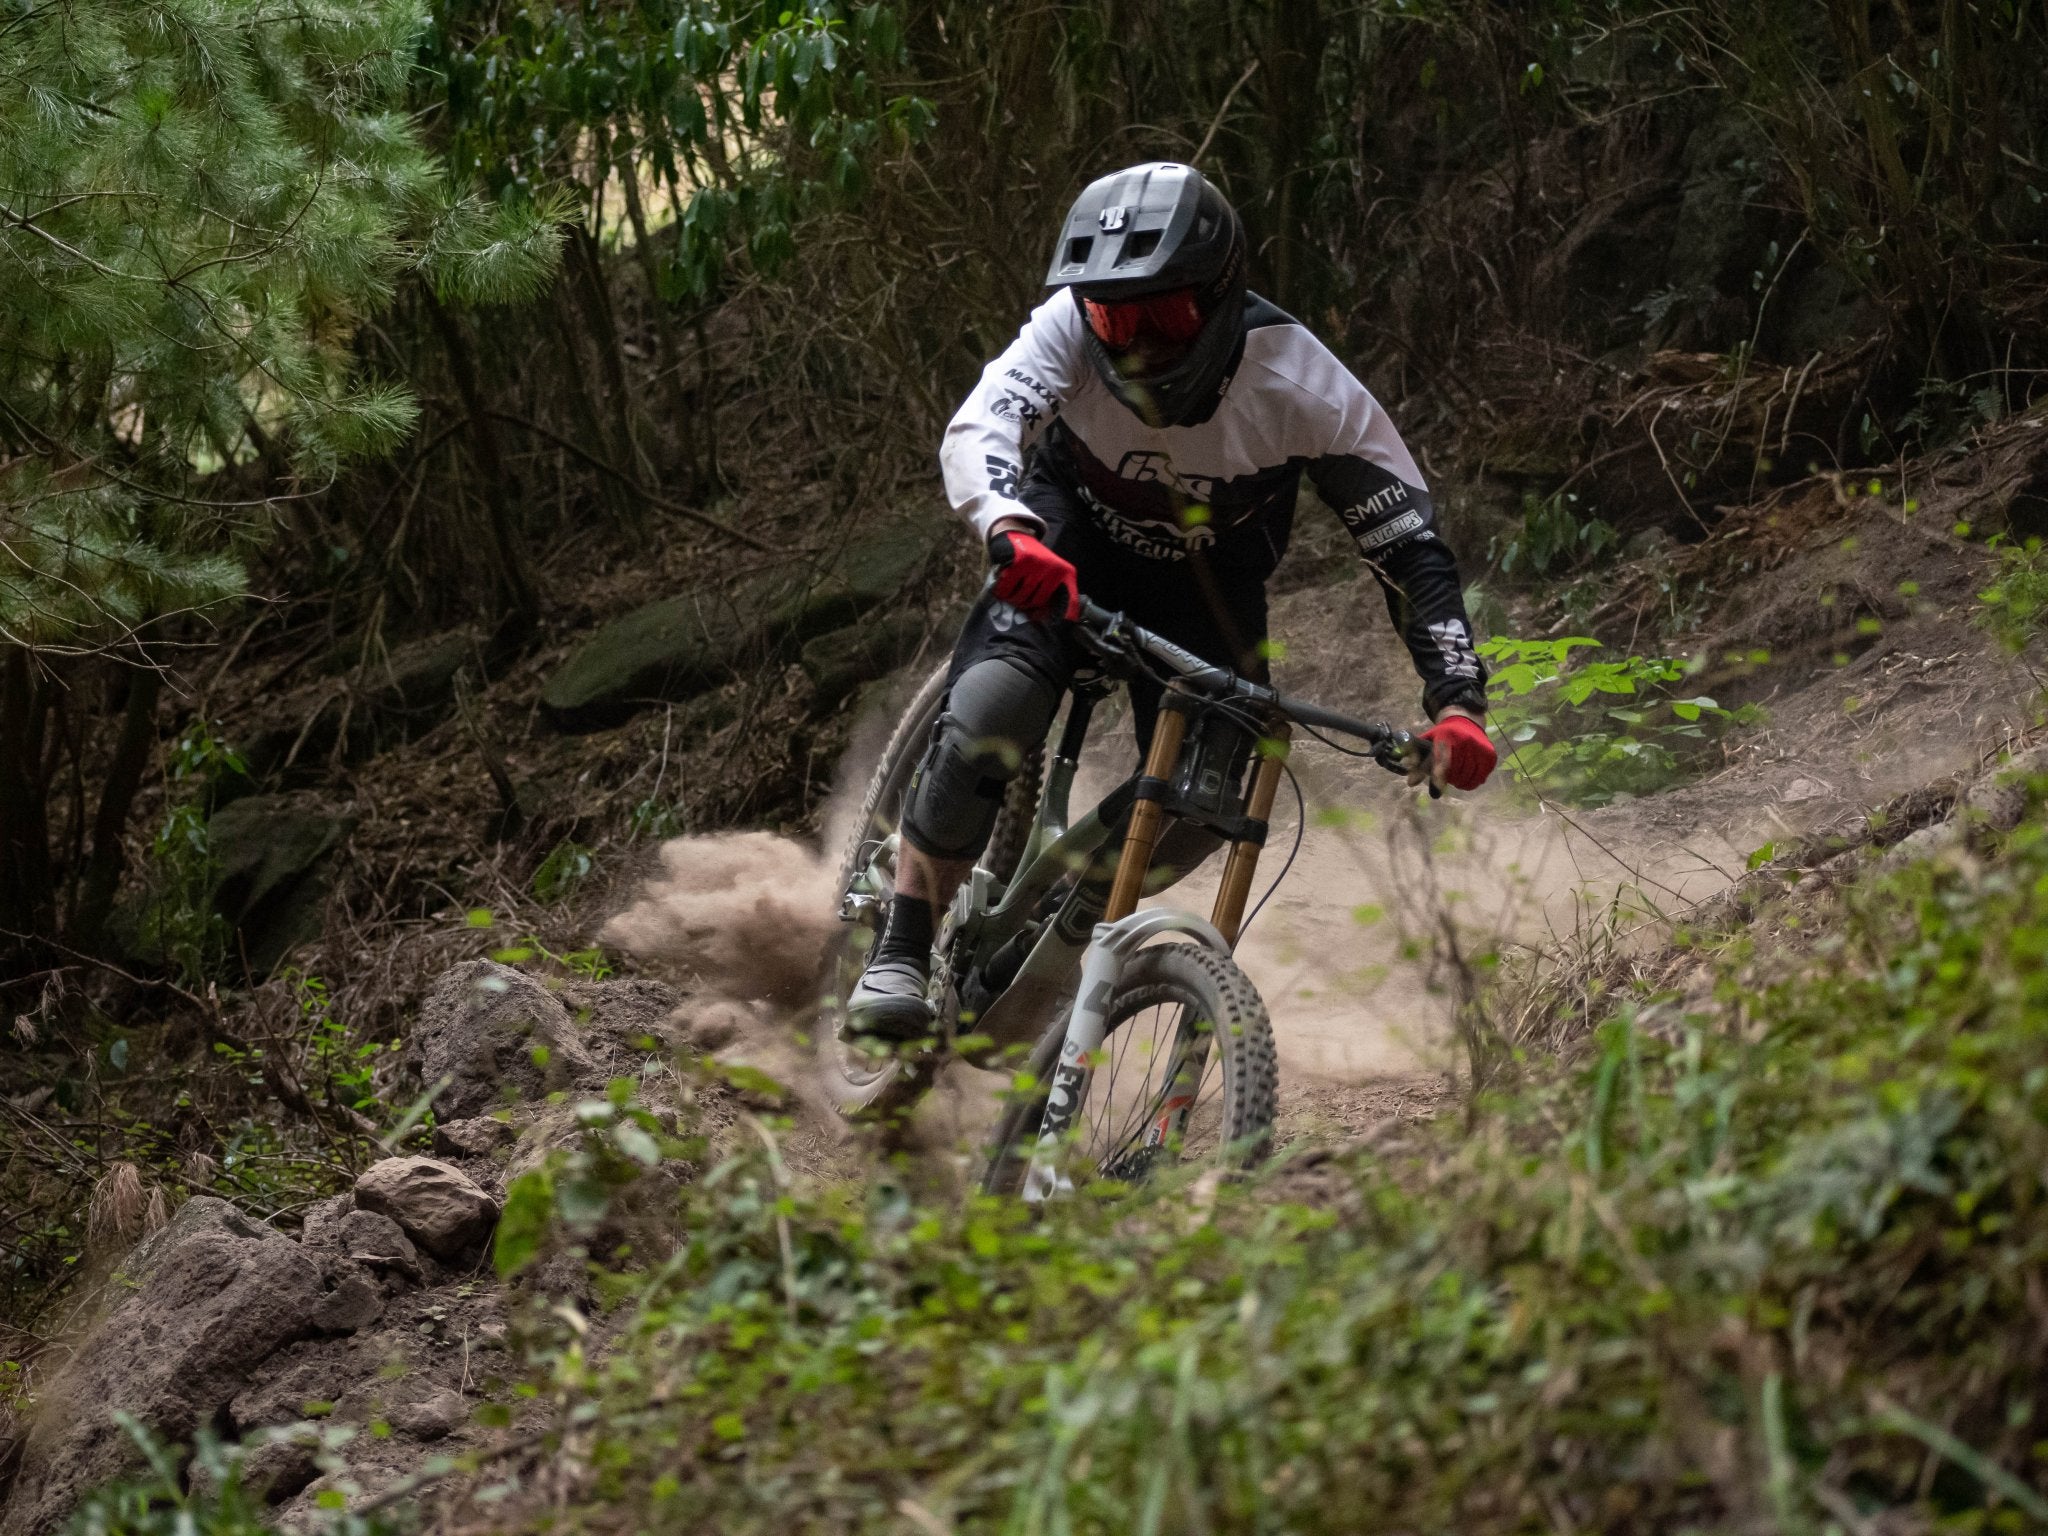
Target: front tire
1187	1074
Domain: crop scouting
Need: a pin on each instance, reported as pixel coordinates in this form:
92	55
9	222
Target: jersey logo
1454	644
1019	376
1008	405
1386	533
1111	218
1147	467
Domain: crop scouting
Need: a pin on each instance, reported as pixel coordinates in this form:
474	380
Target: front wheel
1186	1074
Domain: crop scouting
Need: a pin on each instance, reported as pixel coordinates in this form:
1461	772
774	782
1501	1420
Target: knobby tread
1243	1036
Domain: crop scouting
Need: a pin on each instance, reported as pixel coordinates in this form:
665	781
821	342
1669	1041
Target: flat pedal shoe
888	1004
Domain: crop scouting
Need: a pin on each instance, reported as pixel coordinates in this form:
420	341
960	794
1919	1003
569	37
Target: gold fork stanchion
1146	815
1228	916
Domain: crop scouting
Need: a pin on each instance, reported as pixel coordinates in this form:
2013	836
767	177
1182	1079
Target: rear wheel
867	1084
1186	1074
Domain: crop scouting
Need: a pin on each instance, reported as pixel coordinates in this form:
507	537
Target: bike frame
1234	800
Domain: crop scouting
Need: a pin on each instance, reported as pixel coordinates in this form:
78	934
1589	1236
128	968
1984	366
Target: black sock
908	933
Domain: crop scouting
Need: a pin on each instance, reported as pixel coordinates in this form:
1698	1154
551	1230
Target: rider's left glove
1031	578
1462	746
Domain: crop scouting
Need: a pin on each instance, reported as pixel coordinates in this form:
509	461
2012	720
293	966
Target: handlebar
1393	749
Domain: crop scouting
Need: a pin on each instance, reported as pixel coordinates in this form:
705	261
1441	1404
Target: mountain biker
1143	439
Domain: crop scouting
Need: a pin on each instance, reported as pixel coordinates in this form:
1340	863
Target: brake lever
1403	752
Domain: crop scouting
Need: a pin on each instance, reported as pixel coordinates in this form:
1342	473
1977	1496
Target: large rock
204	1303
839	662
440	1207
667	651
498	1036
865	576
374	1239
682	646
1999	798
269	853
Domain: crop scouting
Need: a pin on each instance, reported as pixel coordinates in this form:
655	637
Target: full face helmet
1155	257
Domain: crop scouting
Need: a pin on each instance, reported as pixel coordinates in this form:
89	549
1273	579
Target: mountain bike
1135	1055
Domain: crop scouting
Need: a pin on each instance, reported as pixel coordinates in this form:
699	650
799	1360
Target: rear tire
868	1085
1180	1011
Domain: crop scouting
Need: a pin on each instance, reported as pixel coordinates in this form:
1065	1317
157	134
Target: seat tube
1228	916
1142	836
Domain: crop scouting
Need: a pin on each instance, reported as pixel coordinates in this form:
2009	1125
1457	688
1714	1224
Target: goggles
1173	317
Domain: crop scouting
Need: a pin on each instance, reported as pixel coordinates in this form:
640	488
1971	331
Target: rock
680	647
665	652
478	1137
203	1303
372	1238
839	662
1927	843
320	1228
273	1467
271	886
353	1301
629	1016
865	576
1999	799
481	1028
441	1208
394	699
432	1415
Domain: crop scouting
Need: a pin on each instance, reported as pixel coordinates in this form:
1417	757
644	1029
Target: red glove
1462	746
1032	579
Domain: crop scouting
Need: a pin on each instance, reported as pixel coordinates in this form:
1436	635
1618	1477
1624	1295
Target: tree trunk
1295	40
586	275
664	321
25	880
508	556
109	857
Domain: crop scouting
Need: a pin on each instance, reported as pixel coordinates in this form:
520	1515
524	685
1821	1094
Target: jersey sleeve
982	456
1366	474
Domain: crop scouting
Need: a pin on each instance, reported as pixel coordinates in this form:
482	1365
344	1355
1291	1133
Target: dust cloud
744	914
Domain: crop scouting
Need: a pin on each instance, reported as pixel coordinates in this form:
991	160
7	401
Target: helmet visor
1159	324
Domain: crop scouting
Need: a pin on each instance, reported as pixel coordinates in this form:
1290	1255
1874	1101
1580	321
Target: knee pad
995	713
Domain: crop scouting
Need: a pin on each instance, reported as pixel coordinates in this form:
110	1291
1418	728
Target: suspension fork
1191	1047
1228	916
1121	930
1147	815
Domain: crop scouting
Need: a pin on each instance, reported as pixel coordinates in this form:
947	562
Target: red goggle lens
1173	317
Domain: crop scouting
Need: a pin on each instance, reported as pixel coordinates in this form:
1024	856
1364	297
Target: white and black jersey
1226	485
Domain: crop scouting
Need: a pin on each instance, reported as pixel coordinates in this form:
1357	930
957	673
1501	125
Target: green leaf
1761	856
636	1144
523	1224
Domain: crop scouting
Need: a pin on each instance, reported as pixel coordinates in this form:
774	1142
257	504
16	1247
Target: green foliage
1569	737
205	1495
202	199
2015	602
340	1067
1775	1252
1553	536
567	866
178	924
654	818
570	1195
750	114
